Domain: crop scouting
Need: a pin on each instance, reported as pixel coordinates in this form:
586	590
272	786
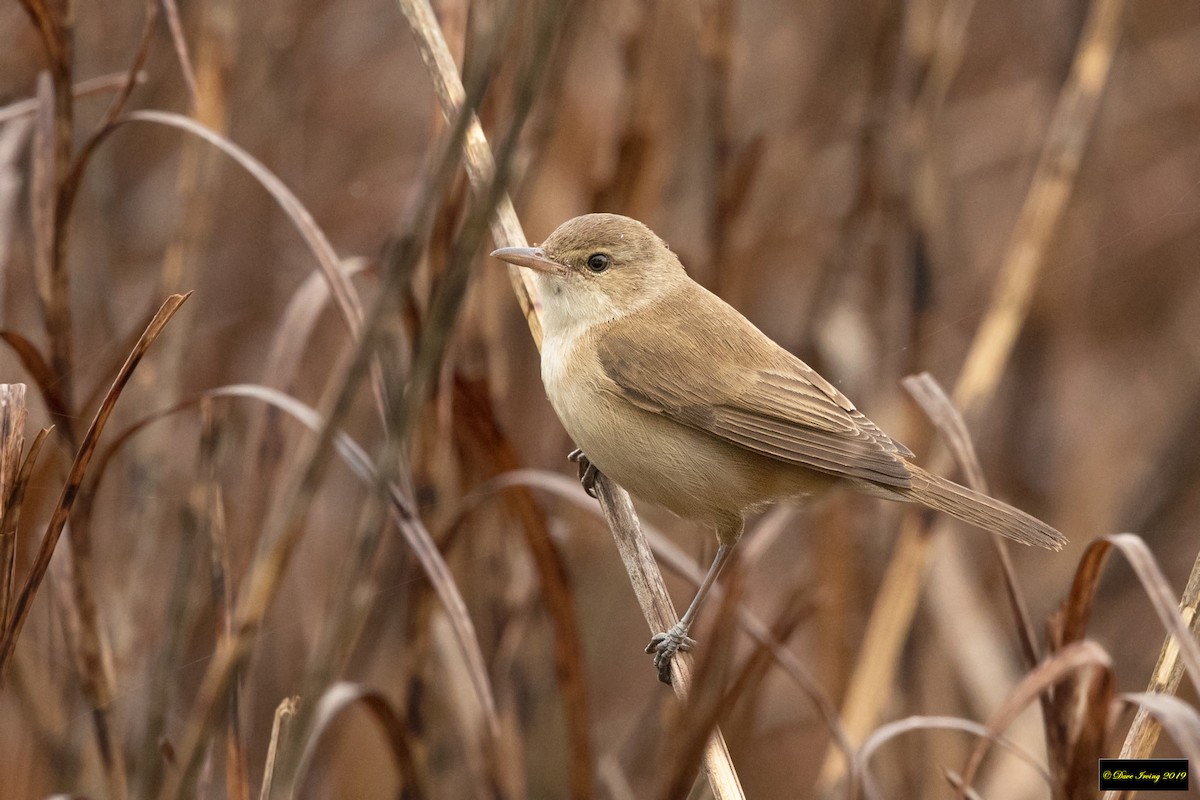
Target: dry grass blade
295	326
1181	721
342	696
288	347
1077	608
414	533
887	732
39	371
264	578
343	292
285	709
181	49
96	680
940	409
480	166
8	527
75	478
98	85
13	139
43	189
1075	657
1168	671
12	440
135	68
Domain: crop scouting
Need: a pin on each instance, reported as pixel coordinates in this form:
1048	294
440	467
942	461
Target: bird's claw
587	471
664	646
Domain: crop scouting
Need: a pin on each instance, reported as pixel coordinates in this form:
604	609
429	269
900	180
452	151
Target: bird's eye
598	262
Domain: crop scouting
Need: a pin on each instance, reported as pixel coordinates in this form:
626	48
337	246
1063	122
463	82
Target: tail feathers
980	510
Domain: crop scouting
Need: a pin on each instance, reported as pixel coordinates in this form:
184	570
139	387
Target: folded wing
747	390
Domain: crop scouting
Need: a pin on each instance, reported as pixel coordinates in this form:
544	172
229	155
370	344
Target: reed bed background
303	525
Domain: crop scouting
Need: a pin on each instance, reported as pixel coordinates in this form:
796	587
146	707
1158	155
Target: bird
675	395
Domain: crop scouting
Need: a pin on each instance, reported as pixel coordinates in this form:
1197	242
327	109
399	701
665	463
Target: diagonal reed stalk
618	509
1045	203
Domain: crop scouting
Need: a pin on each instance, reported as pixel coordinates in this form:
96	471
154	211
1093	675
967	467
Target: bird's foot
587	471
664	646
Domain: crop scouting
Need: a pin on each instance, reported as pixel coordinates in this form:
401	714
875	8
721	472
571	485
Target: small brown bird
676	396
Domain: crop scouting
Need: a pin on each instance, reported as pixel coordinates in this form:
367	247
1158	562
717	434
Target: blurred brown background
848	175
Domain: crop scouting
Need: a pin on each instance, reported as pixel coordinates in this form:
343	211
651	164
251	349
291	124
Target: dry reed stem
179	41
351	604
356	459
478	161
8	525
286	708
12	439
494	454
507	232
96	678
286	524
1168	671
958	602
1055	175
1042	211
199	171
683	566
35	364
52	157
94	650
75	477
1077	657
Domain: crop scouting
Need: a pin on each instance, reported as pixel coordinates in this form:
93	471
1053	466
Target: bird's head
597	267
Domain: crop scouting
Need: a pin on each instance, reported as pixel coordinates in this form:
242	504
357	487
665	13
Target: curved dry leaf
340	697
39	371
359	462
1070	659
295	326
343	292
409	525
885	733
1077	609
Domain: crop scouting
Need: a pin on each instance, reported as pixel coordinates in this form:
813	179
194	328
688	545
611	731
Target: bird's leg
665	645
587	471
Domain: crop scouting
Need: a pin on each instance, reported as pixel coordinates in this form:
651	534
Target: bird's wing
743	388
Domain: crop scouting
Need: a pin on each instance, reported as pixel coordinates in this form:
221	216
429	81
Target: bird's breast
684	469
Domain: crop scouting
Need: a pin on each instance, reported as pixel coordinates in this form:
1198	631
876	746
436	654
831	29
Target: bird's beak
529	257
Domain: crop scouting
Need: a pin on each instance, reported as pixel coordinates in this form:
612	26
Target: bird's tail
980	510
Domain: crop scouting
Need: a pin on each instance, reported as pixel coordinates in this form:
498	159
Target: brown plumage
679	398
